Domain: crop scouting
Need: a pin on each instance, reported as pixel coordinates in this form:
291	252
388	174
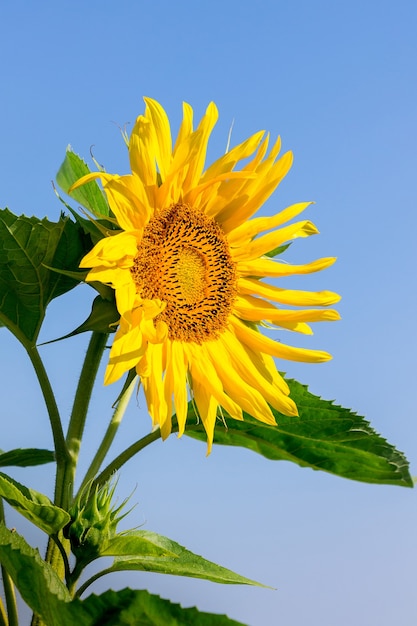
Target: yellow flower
187	269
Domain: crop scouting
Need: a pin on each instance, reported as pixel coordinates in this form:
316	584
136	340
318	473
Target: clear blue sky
337	80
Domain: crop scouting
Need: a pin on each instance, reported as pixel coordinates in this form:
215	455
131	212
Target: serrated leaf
33	505
140	608
178	562
26	457
28	248
89	195
47	596
324	437
38	584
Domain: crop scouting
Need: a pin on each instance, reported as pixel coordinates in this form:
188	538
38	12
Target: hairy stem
110	433
79	414
9	593
125	456
61	450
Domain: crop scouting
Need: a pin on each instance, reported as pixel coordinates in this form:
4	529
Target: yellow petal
257	193
262	245
228	161
143	151
247	231
202	369
127	349
177	370
247	368
160	122
256	341
203	133
186	127
255	309
115	251
207	410
268	267
251	400
154	389
287	296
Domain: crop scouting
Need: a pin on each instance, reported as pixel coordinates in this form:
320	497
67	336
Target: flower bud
93	522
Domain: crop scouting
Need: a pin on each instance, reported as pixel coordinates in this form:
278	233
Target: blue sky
338	82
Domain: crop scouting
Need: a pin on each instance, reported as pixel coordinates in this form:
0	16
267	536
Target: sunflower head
191	271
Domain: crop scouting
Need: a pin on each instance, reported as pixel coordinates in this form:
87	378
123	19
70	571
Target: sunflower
187	266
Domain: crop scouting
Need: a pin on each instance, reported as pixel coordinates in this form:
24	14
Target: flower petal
259	342
287	296
267	267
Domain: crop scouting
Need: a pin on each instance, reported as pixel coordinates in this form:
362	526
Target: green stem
125	456
3	616
79	414
110	433
66	471
61	450
12	618
64	555
93	578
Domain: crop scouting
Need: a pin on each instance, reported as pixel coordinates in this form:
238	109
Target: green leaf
33	505
89	195
178	561
43	591
38	584
324	437
26	457
28	248
139	608
140	542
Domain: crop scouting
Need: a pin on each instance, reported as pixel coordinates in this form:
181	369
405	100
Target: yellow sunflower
187	266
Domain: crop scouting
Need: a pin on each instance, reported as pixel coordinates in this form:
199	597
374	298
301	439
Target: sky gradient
338	82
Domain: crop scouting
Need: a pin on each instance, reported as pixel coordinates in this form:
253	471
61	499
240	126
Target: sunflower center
184	260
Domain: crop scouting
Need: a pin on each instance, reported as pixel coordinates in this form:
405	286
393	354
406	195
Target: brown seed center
184	260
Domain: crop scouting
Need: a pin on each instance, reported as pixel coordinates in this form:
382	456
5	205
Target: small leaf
33	505
324	437
26	457
102	319
28	246
139	608
134	543
179	561
90	194
276	251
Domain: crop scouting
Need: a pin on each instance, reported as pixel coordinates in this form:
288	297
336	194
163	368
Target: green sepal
103	318
323	437
35	506
89	195
28	248
93	524
26	457
276	251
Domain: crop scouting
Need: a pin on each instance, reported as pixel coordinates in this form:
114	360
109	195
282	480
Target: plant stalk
125	456
12	618
79	414
109	435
